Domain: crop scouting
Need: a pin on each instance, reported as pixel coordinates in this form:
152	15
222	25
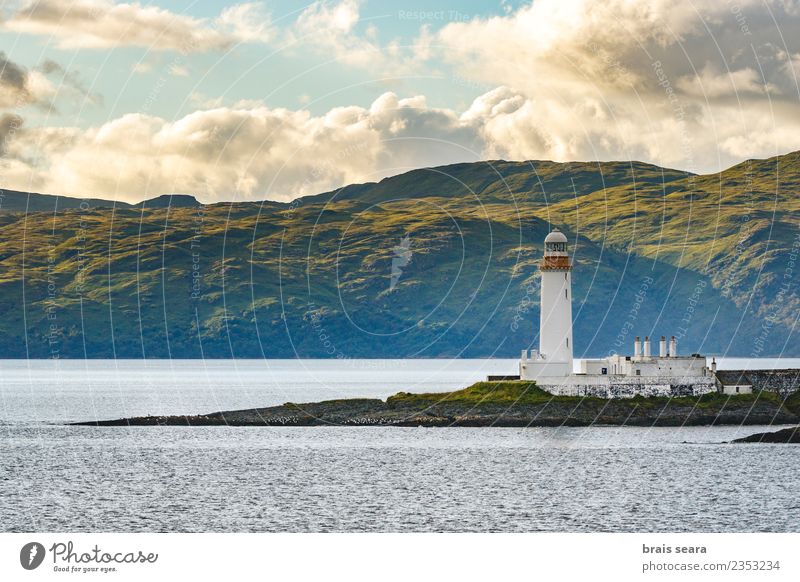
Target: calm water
58	478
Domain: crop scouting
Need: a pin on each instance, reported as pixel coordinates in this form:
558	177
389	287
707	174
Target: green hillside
432	263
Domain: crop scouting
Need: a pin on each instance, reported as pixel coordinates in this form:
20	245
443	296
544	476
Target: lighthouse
554	357
555	320
615	376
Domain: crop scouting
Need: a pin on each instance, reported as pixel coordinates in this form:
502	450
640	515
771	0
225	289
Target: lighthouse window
638	372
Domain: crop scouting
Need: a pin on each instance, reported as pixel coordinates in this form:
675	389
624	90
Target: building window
638	372
604	371
737	389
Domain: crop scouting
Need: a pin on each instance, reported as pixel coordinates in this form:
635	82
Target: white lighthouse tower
555	322
554	358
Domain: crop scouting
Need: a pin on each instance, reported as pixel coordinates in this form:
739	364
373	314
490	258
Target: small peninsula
500	404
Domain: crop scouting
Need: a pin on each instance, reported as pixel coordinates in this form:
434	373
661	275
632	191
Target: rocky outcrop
512	404
787	436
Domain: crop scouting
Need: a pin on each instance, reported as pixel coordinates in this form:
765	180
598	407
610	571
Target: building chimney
524	356
673	347
662	347
637	347
714	365
647	346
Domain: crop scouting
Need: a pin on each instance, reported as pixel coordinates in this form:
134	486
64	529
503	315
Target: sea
60	478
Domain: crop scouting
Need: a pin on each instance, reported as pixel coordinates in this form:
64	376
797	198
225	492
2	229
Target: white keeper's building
645	373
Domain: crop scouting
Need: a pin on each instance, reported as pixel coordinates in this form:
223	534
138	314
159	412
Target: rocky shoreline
785	436
499	404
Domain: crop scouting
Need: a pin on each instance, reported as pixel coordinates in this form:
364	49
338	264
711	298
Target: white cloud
201	101
241	153
105	24
142	67
330	29
247	22
687	84
177	70
250	151
712	83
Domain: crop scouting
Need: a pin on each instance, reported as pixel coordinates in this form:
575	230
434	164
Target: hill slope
434	262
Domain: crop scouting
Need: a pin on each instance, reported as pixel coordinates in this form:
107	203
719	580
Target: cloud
202	101
712	83
177	70
245	152
70	83
104	24
248	151
695	85
688	85
330	29
15	89
41	86
247	22
10	123
142	67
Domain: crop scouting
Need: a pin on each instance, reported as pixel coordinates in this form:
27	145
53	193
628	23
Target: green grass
506	393
527	393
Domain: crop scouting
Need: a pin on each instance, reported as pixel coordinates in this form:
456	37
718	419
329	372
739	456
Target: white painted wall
648	367
733	390
594	367
539	369
675	367
555	323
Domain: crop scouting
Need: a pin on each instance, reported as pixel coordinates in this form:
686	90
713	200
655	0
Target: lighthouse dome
555	236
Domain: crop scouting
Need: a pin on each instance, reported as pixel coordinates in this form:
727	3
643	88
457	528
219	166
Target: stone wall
784	382
622	387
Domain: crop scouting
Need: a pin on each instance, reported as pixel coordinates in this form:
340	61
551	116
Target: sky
275	99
